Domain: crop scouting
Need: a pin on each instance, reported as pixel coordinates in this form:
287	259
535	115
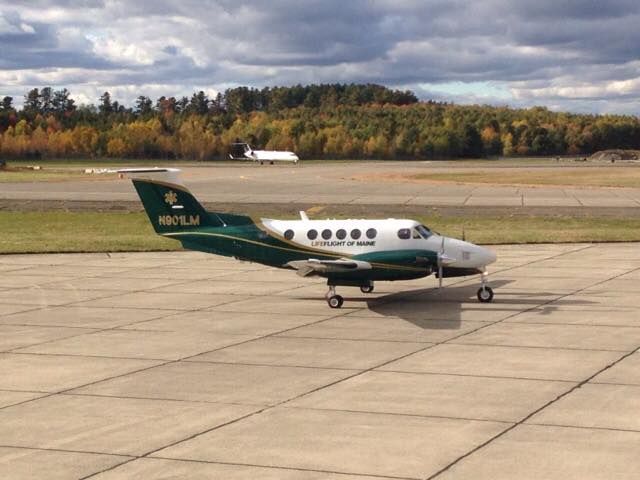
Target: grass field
56	231
575	176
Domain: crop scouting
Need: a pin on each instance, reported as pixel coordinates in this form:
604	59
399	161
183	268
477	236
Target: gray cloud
575	54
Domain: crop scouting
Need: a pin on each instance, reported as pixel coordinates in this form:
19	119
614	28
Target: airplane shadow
438	309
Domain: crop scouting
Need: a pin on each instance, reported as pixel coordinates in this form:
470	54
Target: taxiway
148	365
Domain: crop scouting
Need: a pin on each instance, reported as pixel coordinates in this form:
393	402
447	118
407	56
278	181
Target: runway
337	183
153	365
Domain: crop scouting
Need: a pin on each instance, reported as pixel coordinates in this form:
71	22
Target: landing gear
366	288
333	299
485	293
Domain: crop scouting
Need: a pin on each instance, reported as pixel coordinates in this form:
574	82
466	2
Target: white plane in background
243	151
353	253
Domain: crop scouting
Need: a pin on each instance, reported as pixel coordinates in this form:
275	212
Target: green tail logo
172	208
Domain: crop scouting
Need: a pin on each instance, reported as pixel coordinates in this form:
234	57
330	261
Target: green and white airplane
353	253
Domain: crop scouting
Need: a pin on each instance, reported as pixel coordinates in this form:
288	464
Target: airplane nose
486	256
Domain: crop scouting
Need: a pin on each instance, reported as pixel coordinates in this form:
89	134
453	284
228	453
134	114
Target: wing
307	268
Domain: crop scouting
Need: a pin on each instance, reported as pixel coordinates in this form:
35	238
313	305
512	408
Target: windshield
423	231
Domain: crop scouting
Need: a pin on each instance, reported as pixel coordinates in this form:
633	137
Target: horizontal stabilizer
167	175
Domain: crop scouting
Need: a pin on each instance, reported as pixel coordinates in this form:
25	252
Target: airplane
242	151
354	253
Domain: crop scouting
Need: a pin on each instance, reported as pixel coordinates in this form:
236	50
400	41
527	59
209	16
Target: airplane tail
170	206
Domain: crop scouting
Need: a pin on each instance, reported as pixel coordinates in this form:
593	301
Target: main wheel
485	294
335	301
366	288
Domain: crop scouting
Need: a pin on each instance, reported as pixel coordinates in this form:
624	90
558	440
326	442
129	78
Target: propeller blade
440	268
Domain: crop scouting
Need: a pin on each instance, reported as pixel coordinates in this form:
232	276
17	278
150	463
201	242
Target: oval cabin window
288	234
312	234
326	234
355	234
341	234
371	233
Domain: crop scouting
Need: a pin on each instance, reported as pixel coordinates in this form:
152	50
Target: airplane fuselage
395	249
344	251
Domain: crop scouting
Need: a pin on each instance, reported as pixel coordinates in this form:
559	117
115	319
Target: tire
485	295
335	301
366	288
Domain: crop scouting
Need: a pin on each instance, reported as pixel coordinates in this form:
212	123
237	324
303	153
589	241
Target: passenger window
326	234
371	233
355	234
341	234
312	234
288	234
404	233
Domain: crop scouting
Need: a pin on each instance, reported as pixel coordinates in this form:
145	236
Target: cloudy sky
575	55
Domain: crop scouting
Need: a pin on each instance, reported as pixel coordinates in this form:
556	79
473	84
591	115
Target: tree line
315	121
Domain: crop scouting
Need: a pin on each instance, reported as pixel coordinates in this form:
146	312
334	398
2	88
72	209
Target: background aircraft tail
170	205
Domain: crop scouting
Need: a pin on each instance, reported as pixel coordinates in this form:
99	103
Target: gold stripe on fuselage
297	250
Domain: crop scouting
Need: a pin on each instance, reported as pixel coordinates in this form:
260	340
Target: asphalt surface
336	183
184	365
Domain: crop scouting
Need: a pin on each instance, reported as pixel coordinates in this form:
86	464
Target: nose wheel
485	293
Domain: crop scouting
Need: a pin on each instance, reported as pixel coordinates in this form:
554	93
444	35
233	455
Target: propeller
440	261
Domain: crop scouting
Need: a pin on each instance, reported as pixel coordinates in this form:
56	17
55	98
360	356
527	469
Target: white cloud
569	55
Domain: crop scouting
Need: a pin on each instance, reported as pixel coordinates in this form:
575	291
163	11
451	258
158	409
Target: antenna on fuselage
303	216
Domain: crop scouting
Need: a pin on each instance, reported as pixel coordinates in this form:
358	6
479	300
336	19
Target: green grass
31	232
40	232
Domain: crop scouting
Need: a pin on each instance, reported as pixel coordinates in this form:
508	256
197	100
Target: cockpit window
423	231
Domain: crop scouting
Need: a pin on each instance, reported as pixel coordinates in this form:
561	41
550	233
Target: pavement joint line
20	391
298	469
567	324
46	326
582	427
319	337
398	414
543	347
64	450
16	349
77	355
471	375
578	200
270	365
618	384
158	399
